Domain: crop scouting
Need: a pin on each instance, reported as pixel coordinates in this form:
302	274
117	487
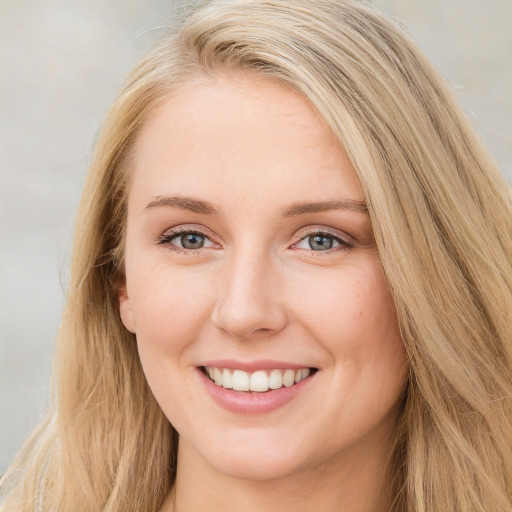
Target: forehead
245	135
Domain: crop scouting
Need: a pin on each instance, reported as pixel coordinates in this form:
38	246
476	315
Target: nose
248	304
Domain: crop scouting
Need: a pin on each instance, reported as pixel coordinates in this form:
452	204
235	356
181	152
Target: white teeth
259	381
240	380
289	378
217	376
227	379
275	381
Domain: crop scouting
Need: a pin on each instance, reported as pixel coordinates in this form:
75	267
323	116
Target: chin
256	468
241	457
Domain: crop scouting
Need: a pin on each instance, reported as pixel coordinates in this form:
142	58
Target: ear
125	308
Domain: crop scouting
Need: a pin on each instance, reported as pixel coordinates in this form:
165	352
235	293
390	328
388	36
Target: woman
292	255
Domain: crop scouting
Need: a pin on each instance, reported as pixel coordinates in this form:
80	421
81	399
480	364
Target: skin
257	290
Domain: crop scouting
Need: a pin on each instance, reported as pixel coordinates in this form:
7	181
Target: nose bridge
248	300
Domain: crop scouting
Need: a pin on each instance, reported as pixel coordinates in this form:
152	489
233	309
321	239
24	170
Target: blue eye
185	240
191	240
321	242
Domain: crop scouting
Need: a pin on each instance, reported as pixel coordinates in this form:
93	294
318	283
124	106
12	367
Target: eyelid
345	240
189	228
175	231
323	230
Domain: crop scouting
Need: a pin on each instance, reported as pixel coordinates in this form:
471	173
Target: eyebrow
344	204
204	207
185	203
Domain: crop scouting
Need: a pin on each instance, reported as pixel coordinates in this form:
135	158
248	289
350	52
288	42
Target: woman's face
250	256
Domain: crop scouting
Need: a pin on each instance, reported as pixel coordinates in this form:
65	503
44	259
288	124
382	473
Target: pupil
320	243
192	241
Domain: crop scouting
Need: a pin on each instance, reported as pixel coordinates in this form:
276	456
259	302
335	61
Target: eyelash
167	238
343	243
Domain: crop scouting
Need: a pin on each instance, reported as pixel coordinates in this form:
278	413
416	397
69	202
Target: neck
360	482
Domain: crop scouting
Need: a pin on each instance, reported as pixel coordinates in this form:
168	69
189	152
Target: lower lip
250	402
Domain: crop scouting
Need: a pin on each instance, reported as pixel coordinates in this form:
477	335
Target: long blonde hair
442	219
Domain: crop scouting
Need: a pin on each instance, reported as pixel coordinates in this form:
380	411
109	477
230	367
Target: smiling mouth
259	381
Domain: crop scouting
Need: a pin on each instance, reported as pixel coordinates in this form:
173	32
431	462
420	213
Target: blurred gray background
61	65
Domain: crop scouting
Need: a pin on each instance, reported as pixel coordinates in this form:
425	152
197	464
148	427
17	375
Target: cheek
349	310
171	309
170	306
352	316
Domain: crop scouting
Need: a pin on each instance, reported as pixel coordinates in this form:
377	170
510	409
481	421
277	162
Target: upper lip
252	366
